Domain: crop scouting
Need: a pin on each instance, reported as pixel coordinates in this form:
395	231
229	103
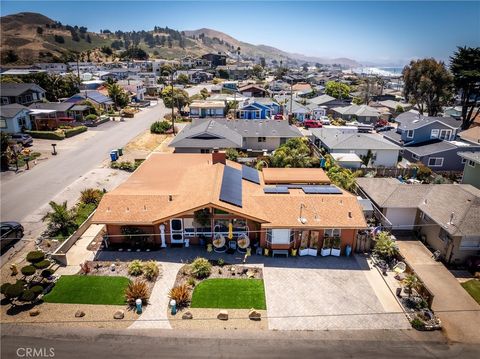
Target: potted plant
294	252
336	247
313	250
303	251
326	248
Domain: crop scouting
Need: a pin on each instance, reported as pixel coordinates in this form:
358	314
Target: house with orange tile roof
174	199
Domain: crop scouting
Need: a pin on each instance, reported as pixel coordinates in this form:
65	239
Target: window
471	163
443	235
280	236
434	133
424	217
262	139
205	150
334	232
445	134
435	161
464	160
4	100
410	134
3	123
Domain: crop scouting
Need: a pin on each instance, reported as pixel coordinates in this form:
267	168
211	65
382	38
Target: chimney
219	156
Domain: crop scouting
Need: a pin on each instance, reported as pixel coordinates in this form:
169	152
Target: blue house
259	109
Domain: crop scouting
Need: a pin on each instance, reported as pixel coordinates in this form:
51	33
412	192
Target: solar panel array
231	190
250	174
276	190
322	190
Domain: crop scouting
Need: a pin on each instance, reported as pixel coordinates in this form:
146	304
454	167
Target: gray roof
14	89
472	156
57	106
320	100
9	111
436	146
262	128
412	120
336	140
357	110
438	201
393	135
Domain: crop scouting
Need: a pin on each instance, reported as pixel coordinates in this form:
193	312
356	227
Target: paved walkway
459	312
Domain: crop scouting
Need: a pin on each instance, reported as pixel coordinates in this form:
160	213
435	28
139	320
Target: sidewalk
459	312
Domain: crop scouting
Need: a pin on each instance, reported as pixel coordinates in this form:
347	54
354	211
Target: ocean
382	71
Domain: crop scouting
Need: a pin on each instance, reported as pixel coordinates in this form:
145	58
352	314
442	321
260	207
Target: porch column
162	235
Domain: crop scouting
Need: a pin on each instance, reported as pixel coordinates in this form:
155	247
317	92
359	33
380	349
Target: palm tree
61	220
117	94
385	247
411	282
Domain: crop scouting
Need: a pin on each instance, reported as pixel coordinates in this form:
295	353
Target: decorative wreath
243	241
219	240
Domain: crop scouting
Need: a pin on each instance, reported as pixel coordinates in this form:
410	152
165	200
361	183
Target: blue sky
385	32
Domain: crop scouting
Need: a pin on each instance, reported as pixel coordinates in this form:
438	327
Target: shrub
75	131
91	117
37	289
47	135
221	262
385	247
4	286
14	291
42	264
27	296
28	270
160	127
417	323
35	256
191	282
91	195
125	165
135	268
200	268
180	294
150	270
46	273
137	290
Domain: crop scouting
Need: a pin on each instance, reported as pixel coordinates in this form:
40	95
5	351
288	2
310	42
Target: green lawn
473	288
83	289
229	294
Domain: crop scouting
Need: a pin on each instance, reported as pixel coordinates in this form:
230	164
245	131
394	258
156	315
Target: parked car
385	128
21	138
312	124
278	116
325	120
10	233
381	123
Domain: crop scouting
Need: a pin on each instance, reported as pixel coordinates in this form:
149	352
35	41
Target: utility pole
173	103
291	98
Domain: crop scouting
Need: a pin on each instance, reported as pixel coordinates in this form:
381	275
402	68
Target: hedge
75	131
47	135
35	256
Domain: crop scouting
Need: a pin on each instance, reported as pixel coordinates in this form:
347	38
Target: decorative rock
119	314
232	268
223	315
254	315
34	312
187	315
79	314
250	274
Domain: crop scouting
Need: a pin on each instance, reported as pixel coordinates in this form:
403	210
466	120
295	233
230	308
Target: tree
61	220
337	89
204	93
179	100
10	56
39	30
182	79
5	153
293	153
427	85
385	246
257	71
231	154
341	177
465	67
411	282
118	95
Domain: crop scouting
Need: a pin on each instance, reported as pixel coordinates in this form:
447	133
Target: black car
385	128
10	233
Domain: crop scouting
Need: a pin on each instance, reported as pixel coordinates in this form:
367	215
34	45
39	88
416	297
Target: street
129	343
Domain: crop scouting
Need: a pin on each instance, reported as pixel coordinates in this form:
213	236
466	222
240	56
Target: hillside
31	37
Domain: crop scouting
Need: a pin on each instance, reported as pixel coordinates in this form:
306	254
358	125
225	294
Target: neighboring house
193	62
251	109
252	90
383	153
455	112
302	89
94	97
327	101
206	108
471	171
203	136
164	207
360	113
21	93
447	215
45	115
52	67
14	118
195	75
297	110
471	135
394	105
235	72
136	88
215	59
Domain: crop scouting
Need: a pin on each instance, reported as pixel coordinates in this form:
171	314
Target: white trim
448	137
470	163
434	133
435	158
413	132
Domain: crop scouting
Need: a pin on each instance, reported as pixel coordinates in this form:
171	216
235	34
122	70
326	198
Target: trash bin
113	155
138	304
120	151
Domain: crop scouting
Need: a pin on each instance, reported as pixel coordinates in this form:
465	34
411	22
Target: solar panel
276	190
322	190
250	174
231	190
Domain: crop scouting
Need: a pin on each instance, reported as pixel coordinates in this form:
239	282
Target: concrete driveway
329	293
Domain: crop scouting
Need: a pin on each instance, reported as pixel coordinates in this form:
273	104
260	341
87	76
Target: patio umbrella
230	231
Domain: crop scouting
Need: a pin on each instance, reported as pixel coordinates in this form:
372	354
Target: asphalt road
94	343
23	194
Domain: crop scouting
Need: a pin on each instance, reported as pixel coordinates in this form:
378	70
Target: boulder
119	314
79	313
187	315
34	312
223	315
254	315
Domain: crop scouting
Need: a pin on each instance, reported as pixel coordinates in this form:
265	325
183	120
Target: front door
176	230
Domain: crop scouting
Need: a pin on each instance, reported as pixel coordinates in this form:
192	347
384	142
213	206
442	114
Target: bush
125	165
160	127
75	131
42	264
47	135
200	268
4	286
417	323
27	296
37	289
91	117
14	291
91	196
135	268
191	282
150	270
35	256
28	270
46	273
137	290
180	294
385	246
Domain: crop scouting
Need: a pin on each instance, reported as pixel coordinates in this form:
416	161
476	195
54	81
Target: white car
325	120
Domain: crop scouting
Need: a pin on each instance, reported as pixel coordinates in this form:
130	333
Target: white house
14	118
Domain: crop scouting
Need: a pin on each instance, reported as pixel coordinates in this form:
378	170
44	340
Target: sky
382	32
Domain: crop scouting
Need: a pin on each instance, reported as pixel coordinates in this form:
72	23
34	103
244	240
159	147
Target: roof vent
108	209
170	198
127	209
452	215
144	207
349	214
